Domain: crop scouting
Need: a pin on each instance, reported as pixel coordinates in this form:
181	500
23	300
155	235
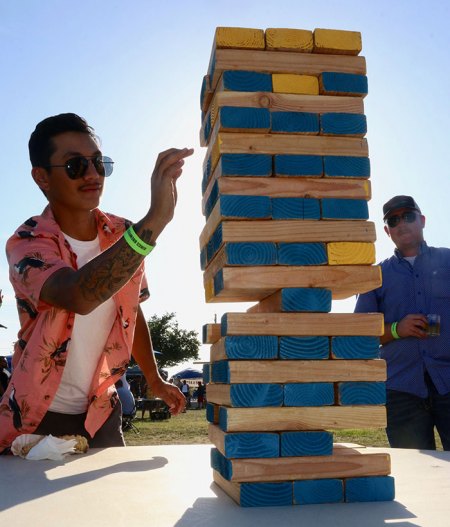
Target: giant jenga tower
285	191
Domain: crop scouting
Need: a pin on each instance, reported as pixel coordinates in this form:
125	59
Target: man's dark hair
41	145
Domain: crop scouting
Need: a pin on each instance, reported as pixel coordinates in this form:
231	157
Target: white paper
49	447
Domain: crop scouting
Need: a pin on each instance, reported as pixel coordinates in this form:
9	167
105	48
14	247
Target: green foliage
176	345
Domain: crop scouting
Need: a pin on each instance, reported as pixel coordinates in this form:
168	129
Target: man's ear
40	177
422	219
386	230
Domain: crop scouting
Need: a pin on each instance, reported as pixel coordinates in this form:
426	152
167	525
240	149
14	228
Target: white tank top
89	336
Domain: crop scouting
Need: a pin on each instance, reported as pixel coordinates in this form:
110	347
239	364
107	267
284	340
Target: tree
176	345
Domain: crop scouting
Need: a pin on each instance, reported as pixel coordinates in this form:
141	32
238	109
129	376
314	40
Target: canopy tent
189	373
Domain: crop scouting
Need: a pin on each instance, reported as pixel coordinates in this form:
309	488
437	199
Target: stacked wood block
285	191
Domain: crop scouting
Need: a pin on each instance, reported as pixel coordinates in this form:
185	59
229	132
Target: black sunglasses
76	167
408	216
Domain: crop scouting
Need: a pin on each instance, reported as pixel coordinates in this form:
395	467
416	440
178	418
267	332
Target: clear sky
134	69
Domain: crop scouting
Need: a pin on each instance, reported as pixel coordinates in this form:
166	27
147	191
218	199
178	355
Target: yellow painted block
240	37
291	83
351	253
281	39
337	42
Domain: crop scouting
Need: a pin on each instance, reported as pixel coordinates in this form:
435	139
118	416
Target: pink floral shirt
35	251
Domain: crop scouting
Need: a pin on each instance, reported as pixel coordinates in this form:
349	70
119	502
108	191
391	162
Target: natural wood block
304	348
346	166
345	209
239	37
298	165
353	393
295	122
332	83
294	83
233	119
337	42
355	347
283	39
348	253
247	284
295	208
245	395
302	324
376	488
310	492
253	347
304	371
246	444
211	333
350	125
339	465
306	444
206	93
309	394
295	299
301	418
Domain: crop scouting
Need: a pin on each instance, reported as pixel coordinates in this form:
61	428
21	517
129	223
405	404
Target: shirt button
47	397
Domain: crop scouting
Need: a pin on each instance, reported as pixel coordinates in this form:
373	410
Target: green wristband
136	243
394	330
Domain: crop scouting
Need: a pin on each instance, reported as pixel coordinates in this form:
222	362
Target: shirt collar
423	248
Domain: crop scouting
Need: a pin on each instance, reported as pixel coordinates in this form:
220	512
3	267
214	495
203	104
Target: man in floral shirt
78	276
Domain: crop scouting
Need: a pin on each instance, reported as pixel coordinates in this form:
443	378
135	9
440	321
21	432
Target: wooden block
304	348
246	444
211	333
310	492
212	413
337	42
346	166
295	122
348	253
304	371
355	347
206	368
233	119
283	39
251	253
302	254
309	394
379	488
298	165
339	465
245	81
295	208
300	418
245	347
206	93
245	395
231	206
281	62
306	444
247	284
229	487
294	83
344	209
302	324
348	124
354	393
239	37
333	83
295	299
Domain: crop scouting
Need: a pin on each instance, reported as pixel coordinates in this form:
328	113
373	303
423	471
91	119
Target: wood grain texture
255	347
239	37
246	444
283	39
298	299
336	41
295	83
350	253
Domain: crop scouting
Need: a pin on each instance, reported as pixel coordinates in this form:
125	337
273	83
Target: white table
159	486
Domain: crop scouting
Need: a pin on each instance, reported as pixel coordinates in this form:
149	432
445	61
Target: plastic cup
433	328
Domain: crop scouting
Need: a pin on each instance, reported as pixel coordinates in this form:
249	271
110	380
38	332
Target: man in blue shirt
416	282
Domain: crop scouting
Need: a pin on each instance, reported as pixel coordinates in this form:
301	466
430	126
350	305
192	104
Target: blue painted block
218	283
346	166
306	444
335	83
251	253
206	373
304	348
251	445
247	81
302	254
212	414
343	124
206	173
232	117
223	418
220	371
239	206
354	393
248	395
306	299
295	122
220	463
207	128
203	259
309	394
266	494
355	347
214	243
251	347
295	208
318	491
298	165
246	165
373	488
344	209
212	199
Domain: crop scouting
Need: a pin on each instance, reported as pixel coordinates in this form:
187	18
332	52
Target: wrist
394	331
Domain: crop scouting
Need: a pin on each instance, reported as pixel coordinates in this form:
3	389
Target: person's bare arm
413	325
83	290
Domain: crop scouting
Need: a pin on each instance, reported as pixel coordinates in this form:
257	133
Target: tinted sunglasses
408	216
76	167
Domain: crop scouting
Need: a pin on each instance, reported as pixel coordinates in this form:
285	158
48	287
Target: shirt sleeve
367	303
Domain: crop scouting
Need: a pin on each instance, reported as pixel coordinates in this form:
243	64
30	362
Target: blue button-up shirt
409	289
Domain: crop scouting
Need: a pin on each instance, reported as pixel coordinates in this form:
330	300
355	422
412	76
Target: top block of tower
337	42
